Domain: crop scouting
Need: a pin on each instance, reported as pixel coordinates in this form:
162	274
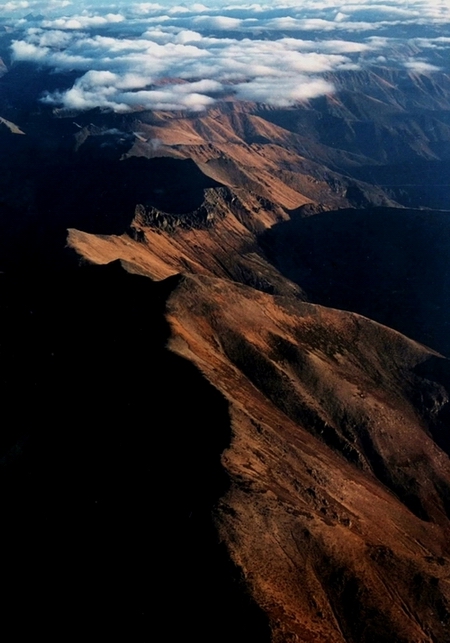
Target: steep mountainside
338	507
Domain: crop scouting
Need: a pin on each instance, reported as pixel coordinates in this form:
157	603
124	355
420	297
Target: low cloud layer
146	55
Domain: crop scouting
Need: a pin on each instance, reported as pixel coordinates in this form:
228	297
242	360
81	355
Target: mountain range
225	353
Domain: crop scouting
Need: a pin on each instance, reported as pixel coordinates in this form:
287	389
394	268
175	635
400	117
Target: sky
165	55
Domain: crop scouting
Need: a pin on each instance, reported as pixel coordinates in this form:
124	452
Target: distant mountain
225	336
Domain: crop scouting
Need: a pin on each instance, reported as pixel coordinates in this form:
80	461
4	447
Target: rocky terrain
226	337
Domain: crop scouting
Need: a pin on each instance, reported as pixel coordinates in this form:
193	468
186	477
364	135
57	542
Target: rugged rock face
250	431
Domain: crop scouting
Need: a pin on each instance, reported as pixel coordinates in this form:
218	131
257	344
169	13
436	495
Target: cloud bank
147	55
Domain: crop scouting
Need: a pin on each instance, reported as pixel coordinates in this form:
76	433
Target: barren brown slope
240	148
379	123
339	494
338	507
215	142
219	238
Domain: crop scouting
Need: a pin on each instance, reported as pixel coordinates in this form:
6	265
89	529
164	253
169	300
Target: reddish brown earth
337	509
339	479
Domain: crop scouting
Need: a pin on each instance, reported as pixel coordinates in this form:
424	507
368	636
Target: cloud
441	42
50	39
392	10
145	8
16	5
83	22
317	24
295	89
187	35
217	22
151	55
421	67
128	93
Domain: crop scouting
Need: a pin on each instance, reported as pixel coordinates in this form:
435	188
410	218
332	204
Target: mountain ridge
221	273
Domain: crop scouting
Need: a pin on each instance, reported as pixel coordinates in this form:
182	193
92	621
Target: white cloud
318	24
145	8
217	22
27	51
327	46
188	36
83	22
104	90
167	55
393	10
295	89
44	55
15	5
441	42
55	39
420	66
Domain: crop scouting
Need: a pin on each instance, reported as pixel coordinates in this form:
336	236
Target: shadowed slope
107	484
49	187
390	265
